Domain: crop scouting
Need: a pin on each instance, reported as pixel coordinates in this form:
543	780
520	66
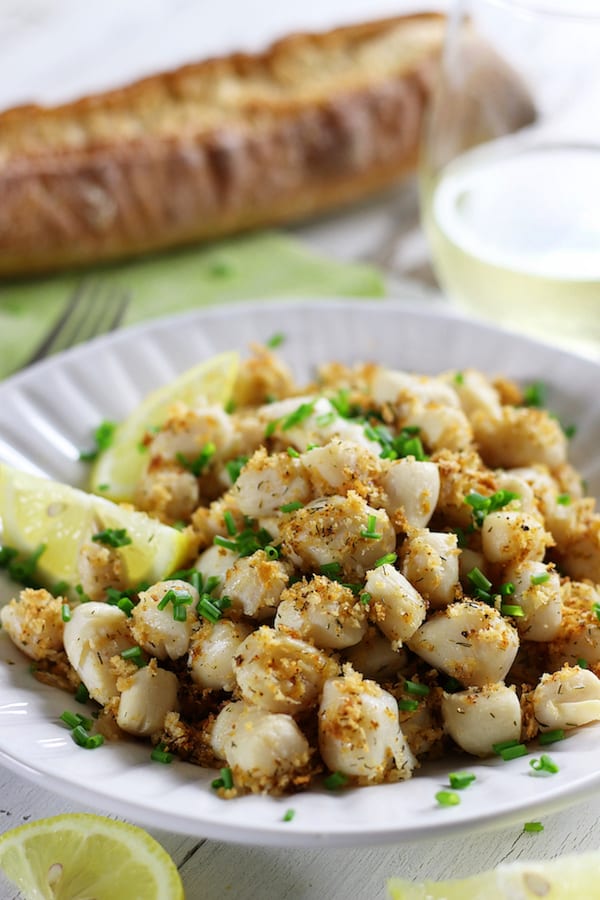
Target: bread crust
216	147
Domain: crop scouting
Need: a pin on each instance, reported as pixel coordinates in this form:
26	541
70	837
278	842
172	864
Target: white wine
516	238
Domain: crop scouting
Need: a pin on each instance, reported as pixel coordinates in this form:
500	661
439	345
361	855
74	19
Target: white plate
48	413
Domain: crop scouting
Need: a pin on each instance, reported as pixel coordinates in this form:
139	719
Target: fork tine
44	348
86	314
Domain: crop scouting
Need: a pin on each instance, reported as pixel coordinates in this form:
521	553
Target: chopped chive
227	778
534	394
459	378
134	654
60	589
408	705
532	827
540	579
478	579
563	499
82	695
73	720
179	612
504	745
103	437
217	783
291	507
112	537
388	559
335	781
126	605
582	663
288	815
569	430
271	428
304	411
447	798
511	609
483	506
83	597
370	532
460	780
211	583
293	453
544	764
331	569
208	609
229	522
271	552
551	737
326	419
365	598
507	589
164	601
23	570
513	752
276	340
85	740
452	685
223	542
69	718
419	690
235	466
65	612
159	754
596	609
197	465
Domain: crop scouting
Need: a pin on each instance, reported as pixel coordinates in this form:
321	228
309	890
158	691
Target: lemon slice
568	878
38	511
117	469
79	856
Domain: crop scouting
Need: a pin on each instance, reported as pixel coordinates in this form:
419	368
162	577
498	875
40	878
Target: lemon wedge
118	468
568	878
77	856
36	511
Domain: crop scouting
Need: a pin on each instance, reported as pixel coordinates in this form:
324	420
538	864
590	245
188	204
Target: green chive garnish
540	579
388	559
65	612
419	690
288	815
276	340
447	798
544	764
460	780
408	705
291	507
532	827
511	609
112	537
551	737
134	654
103	437
335	781
161	755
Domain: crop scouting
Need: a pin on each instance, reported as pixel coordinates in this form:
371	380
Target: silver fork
91	310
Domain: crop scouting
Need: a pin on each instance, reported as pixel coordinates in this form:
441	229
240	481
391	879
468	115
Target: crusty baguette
223	145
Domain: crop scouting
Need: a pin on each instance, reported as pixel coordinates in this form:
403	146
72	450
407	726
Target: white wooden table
385	231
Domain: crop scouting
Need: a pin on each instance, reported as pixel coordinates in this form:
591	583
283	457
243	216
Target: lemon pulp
79	856
118	468
37	511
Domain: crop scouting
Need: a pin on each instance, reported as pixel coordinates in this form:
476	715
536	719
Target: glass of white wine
510	166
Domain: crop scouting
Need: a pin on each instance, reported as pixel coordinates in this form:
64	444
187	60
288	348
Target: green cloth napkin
267	264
